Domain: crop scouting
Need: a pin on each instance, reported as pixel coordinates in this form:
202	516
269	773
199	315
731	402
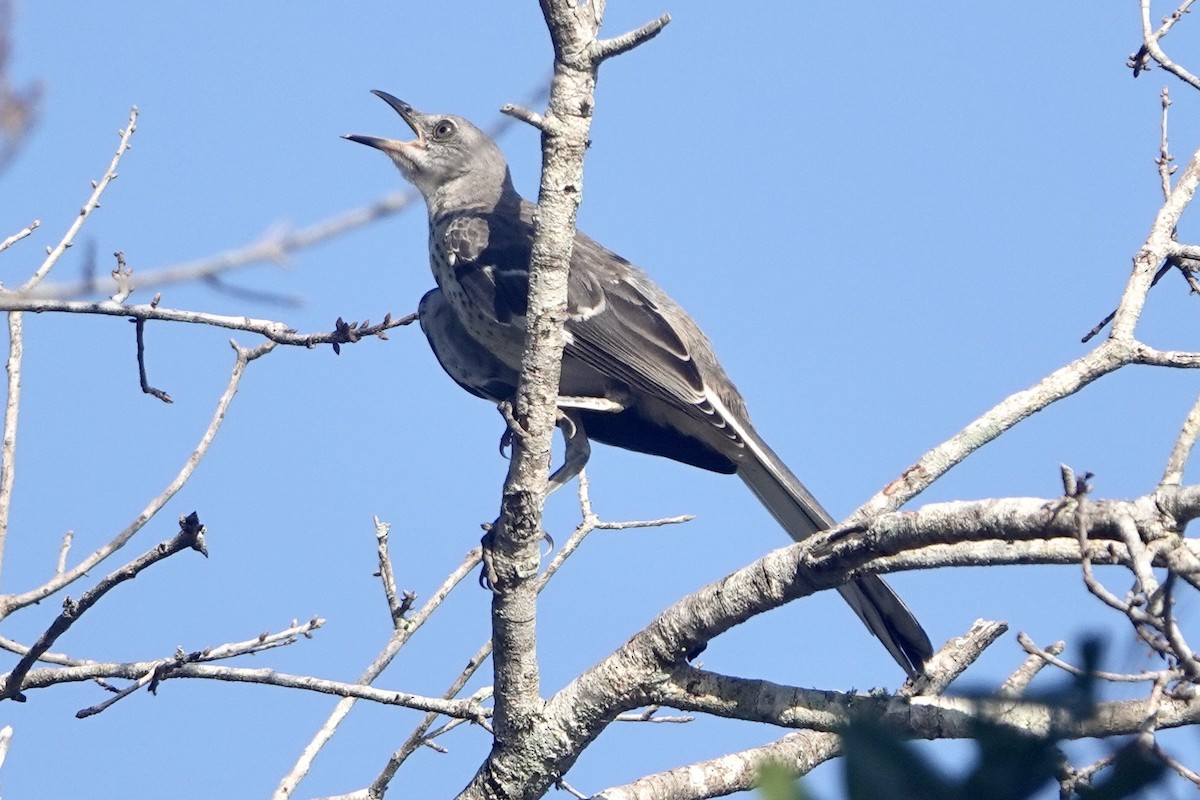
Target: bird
637	371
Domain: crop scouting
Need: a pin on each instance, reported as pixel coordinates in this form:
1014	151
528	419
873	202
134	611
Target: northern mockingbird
637	371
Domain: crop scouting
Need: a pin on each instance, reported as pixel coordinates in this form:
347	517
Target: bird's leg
505	407
578	449
487	573
575	457
577	452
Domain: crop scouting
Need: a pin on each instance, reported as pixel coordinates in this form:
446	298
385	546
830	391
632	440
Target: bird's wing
620	322
466	361
491	264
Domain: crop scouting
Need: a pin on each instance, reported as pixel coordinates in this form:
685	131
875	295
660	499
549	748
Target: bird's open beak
407	113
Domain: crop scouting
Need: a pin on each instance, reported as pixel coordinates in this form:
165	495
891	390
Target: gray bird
637	371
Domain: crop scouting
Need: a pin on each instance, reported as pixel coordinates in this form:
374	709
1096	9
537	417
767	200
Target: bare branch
140	327
1178	459
93	202
1050	656
5	740
170	668
1016	683
400	636
45	658
604	49
1178	767
1164	161
190	537
739	772
277	332
524	114
276	244
9	603
19	235
8	445
1151	49
388	577
421	735
63	550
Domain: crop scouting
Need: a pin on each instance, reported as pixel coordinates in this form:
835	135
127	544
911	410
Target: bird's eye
444	129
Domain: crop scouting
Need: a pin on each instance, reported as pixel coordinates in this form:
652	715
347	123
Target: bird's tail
880	608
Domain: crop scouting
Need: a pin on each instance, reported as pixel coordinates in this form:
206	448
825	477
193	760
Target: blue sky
886	219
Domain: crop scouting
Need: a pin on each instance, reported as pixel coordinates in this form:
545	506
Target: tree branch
190	536
93	202
278	332
800	752
19	235
403	631
10	603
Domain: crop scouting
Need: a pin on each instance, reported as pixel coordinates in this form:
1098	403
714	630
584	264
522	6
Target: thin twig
1179	768
64	550
1164	161
277	243
140	327
421	735
1177	461
571	790
1120	349
400	636
278	332
8	445
387	576
1016	683
47	658
152	677
1115	677
605	49
19	235
9	603
1151	48
190	536
117	697
93	202
6	734
524	114
171	668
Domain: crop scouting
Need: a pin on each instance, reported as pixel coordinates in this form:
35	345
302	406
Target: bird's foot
512	428
487	573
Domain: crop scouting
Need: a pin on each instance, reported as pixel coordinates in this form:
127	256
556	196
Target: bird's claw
511	427
487	574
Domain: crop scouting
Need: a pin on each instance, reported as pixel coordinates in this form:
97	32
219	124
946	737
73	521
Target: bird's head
451	162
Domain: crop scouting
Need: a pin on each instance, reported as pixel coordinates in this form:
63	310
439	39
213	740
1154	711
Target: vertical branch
8	446
1164	161
578	52
518	534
